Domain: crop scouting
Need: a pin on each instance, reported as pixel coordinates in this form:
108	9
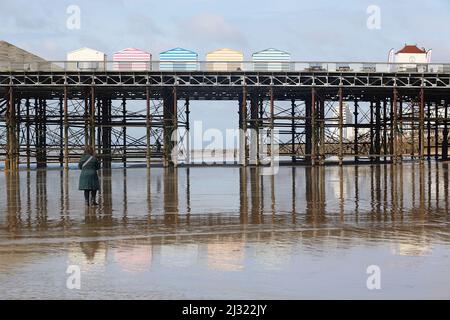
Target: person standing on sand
88	177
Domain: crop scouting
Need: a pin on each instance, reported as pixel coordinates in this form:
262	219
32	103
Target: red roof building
411	49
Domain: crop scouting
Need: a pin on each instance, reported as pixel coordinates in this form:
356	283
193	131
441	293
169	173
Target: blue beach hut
178	59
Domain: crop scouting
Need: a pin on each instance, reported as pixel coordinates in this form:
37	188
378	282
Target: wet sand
228	233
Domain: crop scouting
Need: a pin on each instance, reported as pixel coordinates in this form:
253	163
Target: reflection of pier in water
179	216
187	197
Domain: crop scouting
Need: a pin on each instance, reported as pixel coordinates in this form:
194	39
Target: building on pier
86	59
271	60
17	59
178	59
411	58
132	59
225	60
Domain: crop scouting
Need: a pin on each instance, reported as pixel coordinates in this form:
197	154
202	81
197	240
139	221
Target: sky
318	30
314	30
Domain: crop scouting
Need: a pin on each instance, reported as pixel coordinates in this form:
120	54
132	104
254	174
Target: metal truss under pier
48	117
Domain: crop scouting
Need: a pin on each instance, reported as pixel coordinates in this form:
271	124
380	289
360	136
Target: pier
50	112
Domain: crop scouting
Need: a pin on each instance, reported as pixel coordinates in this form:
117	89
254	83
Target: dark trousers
89	192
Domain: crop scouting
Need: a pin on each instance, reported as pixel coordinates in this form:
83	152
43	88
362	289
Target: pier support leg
66	131
321	127
124	132
385	131
44	133
169	127
436	131
313	127
394	127
429	131
11	145
308	131
18	130
421	125
174	151
99	126
243	128
356	143
28	132
341	130
445	132
106	133
371	151
260	125
272	125
412	127
61	132
187	128
254	131
37	103
377	130
148	126
92	119
400	135
41	136
86	119
293	131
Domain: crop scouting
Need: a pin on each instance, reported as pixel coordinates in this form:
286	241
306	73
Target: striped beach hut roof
225	54
178	54
271	54
132	59
132	54
271	60
86	54
224	60
178	59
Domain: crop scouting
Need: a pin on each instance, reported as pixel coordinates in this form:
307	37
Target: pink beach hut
132	59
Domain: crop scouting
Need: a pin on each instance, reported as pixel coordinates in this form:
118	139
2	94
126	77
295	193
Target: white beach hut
86	59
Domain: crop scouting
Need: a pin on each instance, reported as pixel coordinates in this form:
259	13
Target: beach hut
271	60
86	59
224	60
132	59
178	59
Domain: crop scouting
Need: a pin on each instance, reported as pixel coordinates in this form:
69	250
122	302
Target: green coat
88	176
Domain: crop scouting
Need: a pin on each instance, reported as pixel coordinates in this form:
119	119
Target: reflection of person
88	177
89	248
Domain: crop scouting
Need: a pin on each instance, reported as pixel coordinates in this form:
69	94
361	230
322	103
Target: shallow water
228	233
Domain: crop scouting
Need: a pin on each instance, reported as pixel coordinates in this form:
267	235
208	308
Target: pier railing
222	66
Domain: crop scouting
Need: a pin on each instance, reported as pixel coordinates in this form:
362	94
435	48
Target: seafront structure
50	112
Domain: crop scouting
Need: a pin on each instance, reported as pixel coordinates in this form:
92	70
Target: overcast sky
313	30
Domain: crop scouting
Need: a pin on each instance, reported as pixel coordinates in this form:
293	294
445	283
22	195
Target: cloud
143	24
26	17
208	29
